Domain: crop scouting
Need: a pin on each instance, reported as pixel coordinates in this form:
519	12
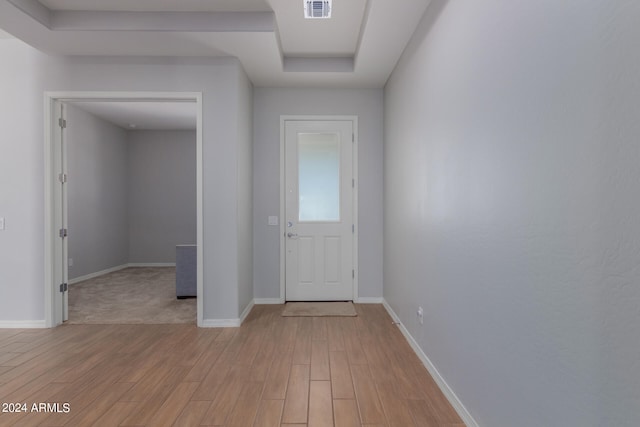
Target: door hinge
353	137
353	228
62	123
63	232
64	287
62	177
353	183
353	274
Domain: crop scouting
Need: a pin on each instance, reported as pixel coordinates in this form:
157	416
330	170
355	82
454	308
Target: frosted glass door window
319	177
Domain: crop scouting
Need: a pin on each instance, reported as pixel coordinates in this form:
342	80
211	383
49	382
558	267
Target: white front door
319	223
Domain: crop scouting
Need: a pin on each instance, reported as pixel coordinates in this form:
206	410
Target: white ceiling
358	47
335	37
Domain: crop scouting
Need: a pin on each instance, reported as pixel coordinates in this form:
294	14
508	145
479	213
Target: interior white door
319	210
60	266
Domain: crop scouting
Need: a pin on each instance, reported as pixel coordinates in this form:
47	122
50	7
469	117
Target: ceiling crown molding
201	22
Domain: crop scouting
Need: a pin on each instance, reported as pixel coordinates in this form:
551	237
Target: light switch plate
273	220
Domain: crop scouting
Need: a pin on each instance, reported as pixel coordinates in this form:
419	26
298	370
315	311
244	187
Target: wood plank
140	366
99	407
244	413
319	329
225	400
341	382
302	349
268	350
346	413
116	414
147	409
206	362
354	350
377	359
320	361
30	387
440	407
371	411
234	346
269	413
396	409
188	351
147	385
278	378
5	358
84	393
226	334
287	339
296	403
320	404
192	414
335	337
422	414
173	406
250	348
211	384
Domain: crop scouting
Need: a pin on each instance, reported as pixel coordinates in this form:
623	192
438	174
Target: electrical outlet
420	314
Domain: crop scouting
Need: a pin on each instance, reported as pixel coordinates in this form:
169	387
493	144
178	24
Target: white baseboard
220	323
22	324
369	300
263	301
442	384
246	311
120	267
363	300
151	264
97	274
228	323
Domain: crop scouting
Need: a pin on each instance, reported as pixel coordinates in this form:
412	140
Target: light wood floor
272	371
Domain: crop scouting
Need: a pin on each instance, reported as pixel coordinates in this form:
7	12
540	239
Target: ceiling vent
317	9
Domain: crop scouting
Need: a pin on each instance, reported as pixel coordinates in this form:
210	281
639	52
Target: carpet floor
137	295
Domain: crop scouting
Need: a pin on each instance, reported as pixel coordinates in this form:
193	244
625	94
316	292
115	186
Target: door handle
292	235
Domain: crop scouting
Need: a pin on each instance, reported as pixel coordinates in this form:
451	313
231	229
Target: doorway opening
56	185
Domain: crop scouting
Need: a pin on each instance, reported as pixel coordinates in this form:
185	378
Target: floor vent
317	9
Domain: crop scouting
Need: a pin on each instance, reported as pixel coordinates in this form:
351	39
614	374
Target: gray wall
269	105
21	182
511	206
162	194
24	76
97	193
244	177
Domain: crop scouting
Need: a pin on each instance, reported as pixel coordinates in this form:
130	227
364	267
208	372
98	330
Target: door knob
292	235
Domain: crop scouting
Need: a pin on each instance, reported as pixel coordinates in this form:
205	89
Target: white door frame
52	312
283	120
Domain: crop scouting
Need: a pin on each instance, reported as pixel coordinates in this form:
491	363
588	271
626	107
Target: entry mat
319	309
